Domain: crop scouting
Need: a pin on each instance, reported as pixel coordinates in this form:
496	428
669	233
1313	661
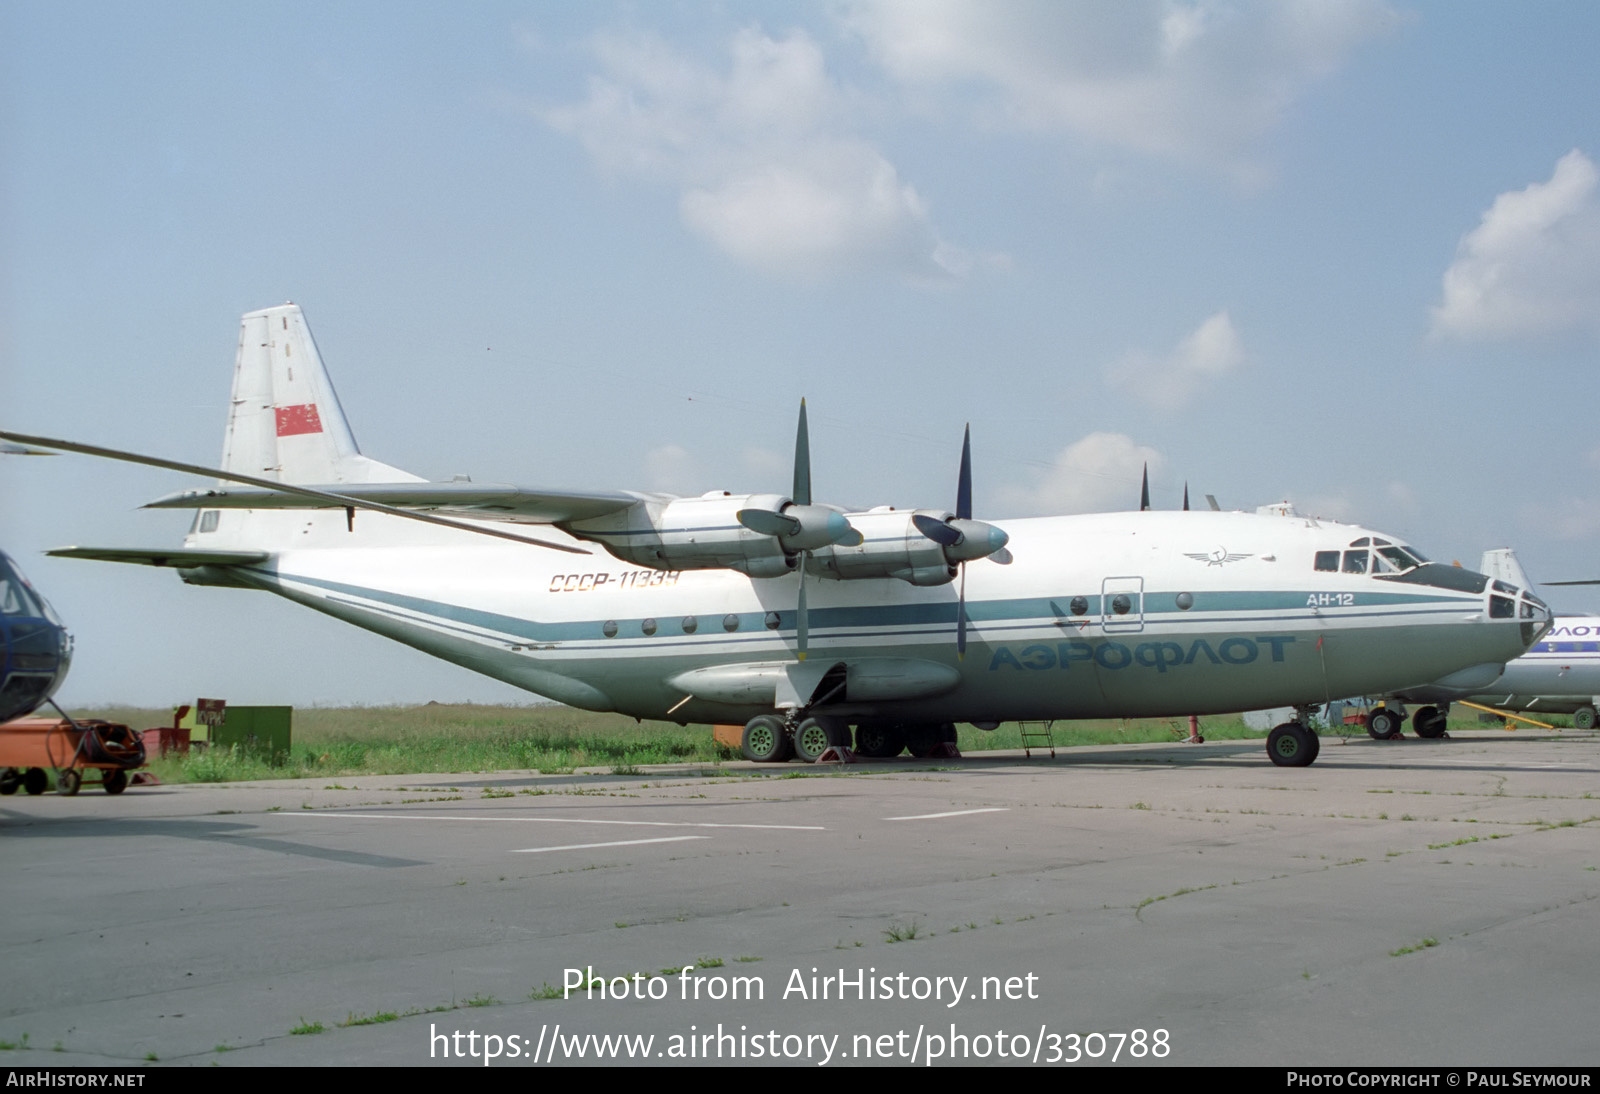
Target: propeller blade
936	530
961	617
802	460
1003	557
800	629
964	479
1185	497
768	523
1144	490
1212	502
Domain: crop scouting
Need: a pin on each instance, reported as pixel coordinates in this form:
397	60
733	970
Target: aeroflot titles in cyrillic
1235	650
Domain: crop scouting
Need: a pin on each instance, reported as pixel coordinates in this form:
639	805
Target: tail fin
285	422
1501	563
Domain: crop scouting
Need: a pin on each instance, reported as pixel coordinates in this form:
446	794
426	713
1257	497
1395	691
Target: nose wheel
1293	745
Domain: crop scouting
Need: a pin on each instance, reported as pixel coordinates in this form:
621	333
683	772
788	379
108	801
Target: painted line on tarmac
590	846
565	820
957	813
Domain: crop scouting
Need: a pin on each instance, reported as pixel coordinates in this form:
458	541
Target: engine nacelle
701	533
891	546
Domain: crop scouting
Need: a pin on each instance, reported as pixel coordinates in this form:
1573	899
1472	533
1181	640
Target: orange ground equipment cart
32	747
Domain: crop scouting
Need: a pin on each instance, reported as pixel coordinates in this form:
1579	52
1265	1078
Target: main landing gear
1292	744
1430	722
772	738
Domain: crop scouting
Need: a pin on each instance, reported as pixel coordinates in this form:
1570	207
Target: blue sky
1346	253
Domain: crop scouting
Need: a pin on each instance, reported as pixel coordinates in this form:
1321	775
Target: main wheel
924	740
764	740
1383	724
35	781
10	780
116	781
814	736
1292	745
1584	717
879	740
68	781
1429	722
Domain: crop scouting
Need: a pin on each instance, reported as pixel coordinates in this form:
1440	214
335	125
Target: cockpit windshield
1369	556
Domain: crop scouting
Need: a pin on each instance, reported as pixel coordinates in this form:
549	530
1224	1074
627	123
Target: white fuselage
1126	614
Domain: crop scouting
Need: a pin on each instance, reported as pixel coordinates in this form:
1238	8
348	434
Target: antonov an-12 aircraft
801	619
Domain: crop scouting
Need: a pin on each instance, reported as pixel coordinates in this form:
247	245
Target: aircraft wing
471	500
175	557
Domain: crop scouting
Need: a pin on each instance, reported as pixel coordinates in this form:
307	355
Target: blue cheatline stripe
852	619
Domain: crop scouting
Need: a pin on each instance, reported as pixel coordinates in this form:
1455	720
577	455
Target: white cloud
1100	473
672	469
768	167
1211	352
1200	82
1532	266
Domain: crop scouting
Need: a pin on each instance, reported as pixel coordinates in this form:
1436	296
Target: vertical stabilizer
1501	563
285	421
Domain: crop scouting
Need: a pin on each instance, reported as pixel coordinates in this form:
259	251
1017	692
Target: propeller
1144	490
964	539
1185	497
800	527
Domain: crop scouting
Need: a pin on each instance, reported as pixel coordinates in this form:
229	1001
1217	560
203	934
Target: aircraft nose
1536	618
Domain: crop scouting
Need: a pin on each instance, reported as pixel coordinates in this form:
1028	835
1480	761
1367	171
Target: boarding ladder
1040	738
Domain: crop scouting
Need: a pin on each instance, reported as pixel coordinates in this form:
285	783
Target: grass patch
369	1019
1425	944
439	737
547	990
306	1028
902	932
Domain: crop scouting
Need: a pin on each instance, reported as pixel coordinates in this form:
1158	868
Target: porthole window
208	520
1185	601
690	624
1079	606
1120	604
648	626
772	621
730	622
610	628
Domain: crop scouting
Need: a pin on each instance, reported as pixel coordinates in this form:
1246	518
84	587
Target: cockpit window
1355	562
1362	542
16	598
1328	562
1398	558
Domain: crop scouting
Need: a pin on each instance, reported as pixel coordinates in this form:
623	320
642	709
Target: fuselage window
1328	562
610	628
1120	604
1079	606
648	626
690	624
1185	601
208	520
1355	562
771	621
730	622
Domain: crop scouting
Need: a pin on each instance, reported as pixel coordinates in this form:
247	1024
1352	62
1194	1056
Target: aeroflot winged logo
1217	556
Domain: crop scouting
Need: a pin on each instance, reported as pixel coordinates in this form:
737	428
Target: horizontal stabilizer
471	500
180	558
